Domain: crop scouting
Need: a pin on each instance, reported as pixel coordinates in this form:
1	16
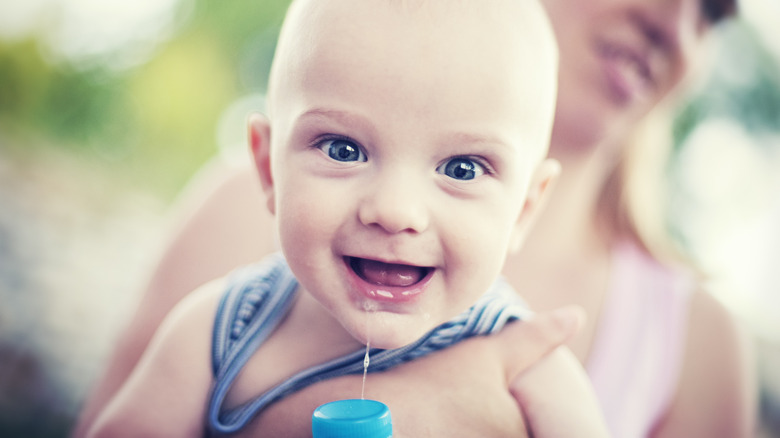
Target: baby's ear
539	190
260	142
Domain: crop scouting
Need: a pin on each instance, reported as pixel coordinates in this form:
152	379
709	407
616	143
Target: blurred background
107	108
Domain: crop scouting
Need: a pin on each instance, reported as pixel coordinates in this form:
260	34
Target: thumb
523	343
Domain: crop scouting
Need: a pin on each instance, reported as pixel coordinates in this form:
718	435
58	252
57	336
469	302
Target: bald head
502	51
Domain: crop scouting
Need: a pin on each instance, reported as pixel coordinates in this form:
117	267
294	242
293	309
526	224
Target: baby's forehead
480	19
513	29
477	59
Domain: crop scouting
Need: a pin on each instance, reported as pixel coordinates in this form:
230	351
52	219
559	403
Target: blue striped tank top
259	296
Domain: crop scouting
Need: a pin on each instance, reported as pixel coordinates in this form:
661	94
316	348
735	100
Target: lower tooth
384	293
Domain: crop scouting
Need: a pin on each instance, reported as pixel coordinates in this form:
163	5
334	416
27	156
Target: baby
403	158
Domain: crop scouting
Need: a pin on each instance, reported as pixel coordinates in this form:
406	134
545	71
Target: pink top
638	350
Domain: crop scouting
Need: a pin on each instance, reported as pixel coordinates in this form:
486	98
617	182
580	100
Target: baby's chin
389	331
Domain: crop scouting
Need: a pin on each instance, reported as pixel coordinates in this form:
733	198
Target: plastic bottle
352	419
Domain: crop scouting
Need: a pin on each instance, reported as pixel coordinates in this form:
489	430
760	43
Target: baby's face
404	140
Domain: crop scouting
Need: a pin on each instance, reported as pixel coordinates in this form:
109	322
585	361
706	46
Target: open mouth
388	274
630	73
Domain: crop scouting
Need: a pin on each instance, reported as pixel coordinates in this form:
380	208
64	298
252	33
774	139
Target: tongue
385	274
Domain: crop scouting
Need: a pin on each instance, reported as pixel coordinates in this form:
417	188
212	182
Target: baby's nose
396	205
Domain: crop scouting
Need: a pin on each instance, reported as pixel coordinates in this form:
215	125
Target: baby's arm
207	233
166	394
557	399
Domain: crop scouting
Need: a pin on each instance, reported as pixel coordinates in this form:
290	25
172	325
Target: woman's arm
717	390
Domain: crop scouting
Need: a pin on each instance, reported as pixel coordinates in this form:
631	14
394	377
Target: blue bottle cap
352	419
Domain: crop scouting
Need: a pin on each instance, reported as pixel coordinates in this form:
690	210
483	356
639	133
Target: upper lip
389	261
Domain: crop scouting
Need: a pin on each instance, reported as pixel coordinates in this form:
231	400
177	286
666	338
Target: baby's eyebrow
342	117
472	139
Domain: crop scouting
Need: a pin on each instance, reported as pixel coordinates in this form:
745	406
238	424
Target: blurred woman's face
621	57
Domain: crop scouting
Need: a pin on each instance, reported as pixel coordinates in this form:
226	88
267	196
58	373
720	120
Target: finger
525	342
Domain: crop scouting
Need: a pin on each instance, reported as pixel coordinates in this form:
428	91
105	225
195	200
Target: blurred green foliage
744	85
56	101
152	125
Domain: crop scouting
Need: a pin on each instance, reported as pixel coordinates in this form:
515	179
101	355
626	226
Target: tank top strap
256	299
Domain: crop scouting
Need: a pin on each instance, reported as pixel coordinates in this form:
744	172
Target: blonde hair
631	204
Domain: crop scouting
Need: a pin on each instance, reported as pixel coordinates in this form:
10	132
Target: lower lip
389	294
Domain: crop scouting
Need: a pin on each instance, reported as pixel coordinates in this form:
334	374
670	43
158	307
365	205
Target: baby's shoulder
203	299
194	313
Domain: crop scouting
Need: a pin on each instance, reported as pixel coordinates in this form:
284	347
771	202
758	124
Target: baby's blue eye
461	168
342	150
